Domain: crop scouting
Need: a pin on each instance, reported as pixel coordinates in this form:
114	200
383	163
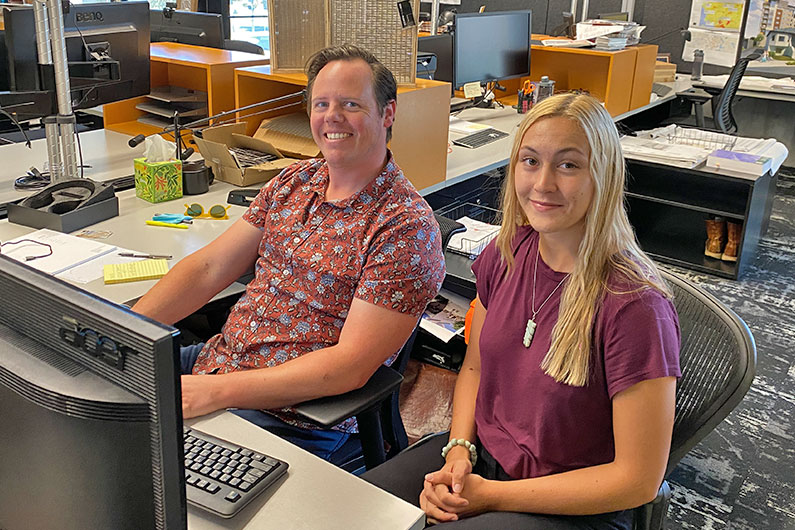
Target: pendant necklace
530	329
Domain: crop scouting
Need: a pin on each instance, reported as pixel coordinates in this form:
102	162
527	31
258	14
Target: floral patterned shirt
381	245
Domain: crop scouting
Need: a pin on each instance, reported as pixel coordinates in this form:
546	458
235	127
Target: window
248	20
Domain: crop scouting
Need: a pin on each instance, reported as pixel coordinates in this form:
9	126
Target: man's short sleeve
640	340
404	269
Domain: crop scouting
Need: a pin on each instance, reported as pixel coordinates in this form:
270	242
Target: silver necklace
530	329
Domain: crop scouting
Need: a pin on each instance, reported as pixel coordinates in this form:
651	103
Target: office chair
723	119
376	405
718	361
243	46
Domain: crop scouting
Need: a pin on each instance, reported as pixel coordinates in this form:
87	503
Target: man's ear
389	113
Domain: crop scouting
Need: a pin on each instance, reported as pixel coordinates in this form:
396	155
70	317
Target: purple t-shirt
532	425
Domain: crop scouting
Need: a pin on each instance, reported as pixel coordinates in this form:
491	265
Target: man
346	256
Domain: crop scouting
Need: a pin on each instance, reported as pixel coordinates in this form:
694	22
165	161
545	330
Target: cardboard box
158	181
290	134
214	147
65	222
664	72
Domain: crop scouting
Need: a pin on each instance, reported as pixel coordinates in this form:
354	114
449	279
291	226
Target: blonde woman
564	406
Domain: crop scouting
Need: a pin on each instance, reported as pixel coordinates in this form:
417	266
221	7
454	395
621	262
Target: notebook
148	269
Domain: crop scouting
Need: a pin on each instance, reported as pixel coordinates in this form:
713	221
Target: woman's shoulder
624	294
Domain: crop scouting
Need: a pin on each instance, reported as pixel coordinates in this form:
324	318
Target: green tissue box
158	181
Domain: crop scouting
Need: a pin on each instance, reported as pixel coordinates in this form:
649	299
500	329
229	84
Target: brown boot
716	235
730	252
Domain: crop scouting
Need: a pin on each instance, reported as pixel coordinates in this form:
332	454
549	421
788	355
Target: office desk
762	113
314	494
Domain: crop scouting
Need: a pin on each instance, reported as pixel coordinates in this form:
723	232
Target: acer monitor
187	27
491	46
107	49
90	410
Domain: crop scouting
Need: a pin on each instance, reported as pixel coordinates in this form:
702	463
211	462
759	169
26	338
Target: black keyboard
480	138
222	477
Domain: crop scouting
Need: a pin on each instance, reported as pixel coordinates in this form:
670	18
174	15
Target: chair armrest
695	95
331	410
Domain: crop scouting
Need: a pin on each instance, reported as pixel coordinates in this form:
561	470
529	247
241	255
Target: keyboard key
232	496
244	486
234	481
213	488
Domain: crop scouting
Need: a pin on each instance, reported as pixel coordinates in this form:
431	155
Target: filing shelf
668	207
205	70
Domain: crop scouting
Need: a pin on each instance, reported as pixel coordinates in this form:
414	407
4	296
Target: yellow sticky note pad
148	269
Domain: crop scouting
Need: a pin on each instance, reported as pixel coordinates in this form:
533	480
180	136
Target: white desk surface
105	151
464	163
313	495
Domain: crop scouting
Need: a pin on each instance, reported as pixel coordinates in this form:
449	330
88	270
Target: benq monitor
107	48
90	410
491	46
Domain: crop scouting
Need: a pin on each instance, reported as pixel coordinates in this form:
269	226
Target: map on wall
727	15
715	28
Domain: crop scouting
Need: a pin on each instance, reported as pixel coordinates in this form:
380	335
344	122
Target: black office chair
376	405
243	46
718	360
723	119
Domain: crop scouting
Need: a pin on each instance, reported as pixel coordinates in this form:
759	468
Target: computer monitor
622	16
107	48
90	410
187	27
491	46
441	46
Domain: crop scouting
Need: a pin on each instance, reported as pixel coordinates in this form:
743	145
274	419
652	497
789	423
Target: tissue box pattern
158	181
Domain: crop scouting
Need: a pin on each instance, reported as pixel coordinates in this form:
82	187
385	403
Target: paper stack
686	156
611	42
477	235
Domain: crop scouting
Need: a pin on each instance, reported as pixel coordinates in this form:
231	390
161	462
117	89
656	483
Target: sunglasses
196	210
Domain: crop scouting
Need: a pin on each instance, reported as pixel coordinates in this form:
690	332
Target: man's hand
200	395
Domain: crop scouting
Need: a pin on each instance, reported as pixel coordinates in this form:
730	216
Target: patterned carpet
742	476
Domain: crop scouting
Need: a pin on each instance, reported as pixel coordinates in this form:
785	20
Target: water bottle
698	65
545	88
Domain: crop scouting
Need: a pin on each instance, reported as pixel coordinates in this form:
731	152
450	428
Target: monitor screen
107	47
622	16
186	27
491	46
441	46
90	410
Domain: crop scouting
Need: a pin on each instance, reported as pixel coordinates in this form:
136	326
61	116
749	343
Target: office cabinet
668	207
419	134
204	76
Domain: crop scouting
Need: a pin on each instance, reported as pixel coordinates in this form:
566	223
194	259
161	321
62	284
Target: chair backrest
724	119
718	361
243	46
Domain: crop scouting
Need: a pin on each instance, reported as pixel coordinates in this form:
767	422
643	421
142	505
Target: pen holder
158	181
525	100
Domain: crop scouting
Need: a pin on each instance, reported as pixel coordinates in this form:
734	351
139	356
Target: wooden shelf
207	71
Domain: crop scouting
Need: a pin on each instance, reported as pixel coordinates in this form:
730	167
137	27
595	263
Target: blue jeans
321	442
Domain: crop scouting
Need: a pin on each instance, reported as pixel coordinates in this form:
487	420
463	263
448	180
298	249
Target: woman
564	406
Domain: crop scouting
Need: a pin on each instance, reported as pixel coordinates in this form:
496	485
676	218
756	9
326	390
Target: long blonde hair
608	246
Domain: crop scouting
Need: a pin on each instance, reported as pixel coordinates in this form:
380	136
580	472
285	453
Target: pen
147	256
170	225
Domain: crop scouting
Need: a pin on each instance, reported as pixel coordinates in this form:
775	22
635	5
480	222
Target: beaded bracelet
473	452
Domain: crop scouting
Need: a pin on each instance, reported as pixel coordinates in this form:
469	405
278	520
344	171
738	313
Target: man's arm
195	279
369	336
